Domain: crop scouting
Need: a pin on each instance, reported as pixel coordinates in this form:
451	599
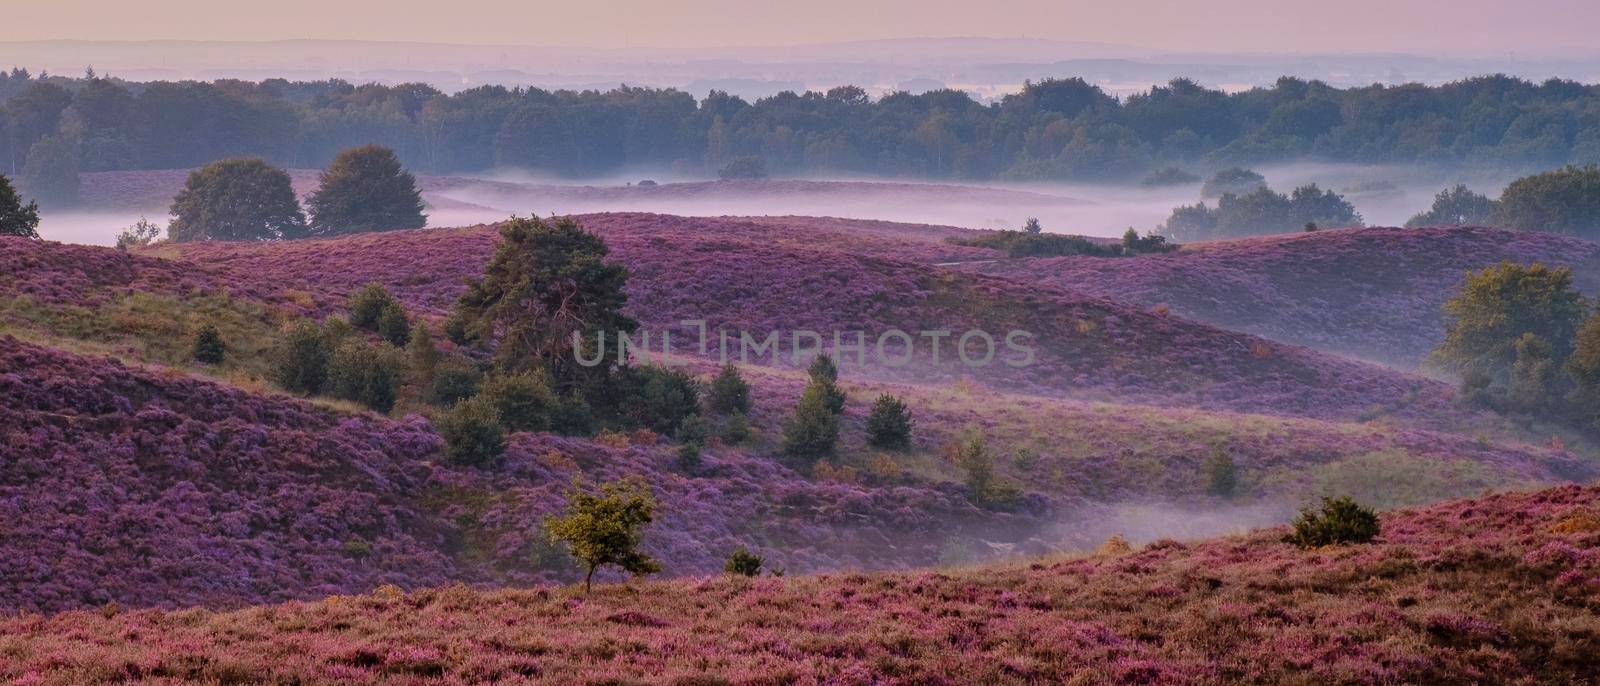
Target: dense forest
1054	129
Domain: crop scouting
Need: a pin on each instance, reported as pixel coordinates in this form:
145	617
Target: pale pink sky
1419	26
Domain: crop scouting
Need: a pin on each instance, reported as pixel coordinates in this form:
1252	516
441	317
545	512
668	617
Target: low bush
729	393
1341	520
453	380
208	347
525	401
471	432
889	424
300	359
368	304
742	562
365	374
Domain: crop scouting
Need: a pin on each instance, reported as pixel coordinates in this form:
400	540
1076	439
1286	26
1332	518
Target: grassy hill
1500	589
1370	293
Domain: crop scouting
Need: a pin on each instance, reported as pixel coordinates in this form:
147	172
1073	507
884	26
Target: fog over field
1384	195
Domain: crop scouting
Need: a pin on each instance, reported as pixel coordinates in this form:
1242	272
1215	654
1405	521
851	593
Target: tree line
1051	129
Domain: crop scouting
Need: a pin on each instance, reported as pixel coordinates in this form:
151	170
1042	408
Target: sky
1446	27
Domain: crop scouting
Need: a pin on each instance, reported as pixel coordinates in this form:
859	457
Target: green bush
984	488
393	326
689	457
366	374
471	432
1222	476
742	562
736	430
367	306
208	348
657	398
729	393
424	355
1341	520
813	429
300	359
453	380
889	424
825	374
525	402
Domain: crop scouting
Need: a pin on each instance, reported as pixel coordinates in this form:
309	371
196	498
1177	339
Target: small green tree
471	432
367	306
889	424
424	355
813	429
300	362
453	380
141	233
525	402
16	219
365	374
393	326
658	398
1221	474
605	528
238	199
1496	306
208	348
1032	225
365	189
1341	520
825	374
984	487
729	394
736	429
742	562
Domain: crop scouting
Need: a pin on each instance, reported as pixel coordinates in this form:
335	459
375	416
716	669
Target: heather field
1499	589
789	275
1373	294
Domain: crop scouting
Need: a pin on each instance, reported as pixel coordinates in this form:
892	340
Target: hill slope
761	277
1370	293
1502	589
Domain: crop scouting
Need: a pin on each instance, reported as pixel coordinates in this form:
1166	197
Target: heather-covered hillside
1501	589
772	275
149	488
1371	293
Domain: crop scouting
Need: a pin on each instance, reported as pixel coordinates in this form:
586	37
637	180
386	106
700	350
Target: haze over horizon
1541	28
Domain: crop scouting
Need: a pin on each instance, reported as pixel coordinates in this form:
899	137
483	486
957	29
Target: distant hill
1373	294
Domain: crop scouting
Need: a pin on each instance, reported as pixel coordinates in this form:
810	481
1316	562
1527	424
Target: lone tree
889	424
237	199
1341	520
825	373
548	282
742	562
1566	200
365	189
730	394
814	428
16	219
1496	307
605	528
208	347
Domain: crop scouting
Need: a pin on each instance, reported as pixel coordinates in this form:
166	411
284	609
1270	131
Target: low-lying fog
1383	195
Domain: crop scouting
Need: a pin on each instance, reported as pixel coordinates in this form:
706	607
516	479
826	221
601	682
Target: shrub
658	398
605	528
742	562
689	457
813	429
1221	474
300	363
368	305
1032	226
889	424
1341	520
736	430
16	219
238	199
365	189
524	402
825	374
208	348
366	374
143	232
424	355
729	393
392	325
453	380
984	488
693	429
471	432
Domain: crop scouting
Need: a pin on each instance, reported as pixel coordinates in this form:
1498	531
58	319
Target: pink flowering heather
1500	589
